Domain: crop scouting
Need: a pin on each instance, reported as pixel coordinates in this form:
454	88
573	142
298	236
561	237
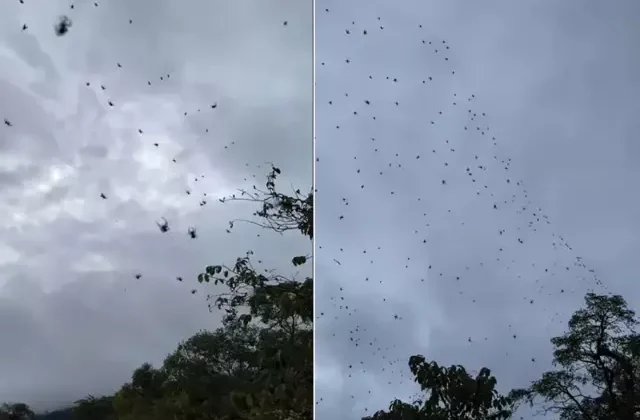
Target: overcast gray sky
73	318
556	84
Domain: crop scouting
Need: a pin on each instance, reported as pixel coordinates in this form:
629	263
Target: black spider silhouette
164	226
63	25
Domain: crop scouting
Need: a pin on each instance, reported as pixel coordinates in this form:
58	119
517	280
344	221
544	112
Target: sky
223	88
476	172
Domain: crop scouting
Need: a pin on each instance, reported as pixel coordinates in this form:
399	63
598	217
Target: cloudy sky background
73	318
559	86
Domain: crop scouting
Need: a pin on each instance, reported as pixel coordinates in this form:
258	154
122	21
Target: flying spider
164	226
63	25
192	232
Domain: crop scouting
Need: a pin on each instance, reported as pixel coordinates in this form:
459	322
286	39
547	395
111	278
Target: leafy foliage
61	414
195	381
450	393
278	212
16	411
94	408
599	365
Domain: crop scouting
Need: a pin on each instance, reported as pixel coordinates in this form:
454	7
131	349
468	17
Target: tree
138	398
599	365
205	369
196	381
61	414
278	212
224	351
281	307
92	408
450	394
16	411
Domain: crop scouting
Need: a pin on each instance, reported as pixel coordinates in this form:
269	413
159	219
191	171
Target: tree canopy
450	393
16	411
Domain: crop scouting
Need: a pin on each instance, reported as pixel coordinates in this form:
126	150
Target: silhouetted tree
278	211
599	365
450	394
16	411
92	408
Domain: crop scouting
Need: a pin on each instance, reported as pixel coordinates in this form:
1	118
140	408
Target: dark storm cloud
73	317
557	84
